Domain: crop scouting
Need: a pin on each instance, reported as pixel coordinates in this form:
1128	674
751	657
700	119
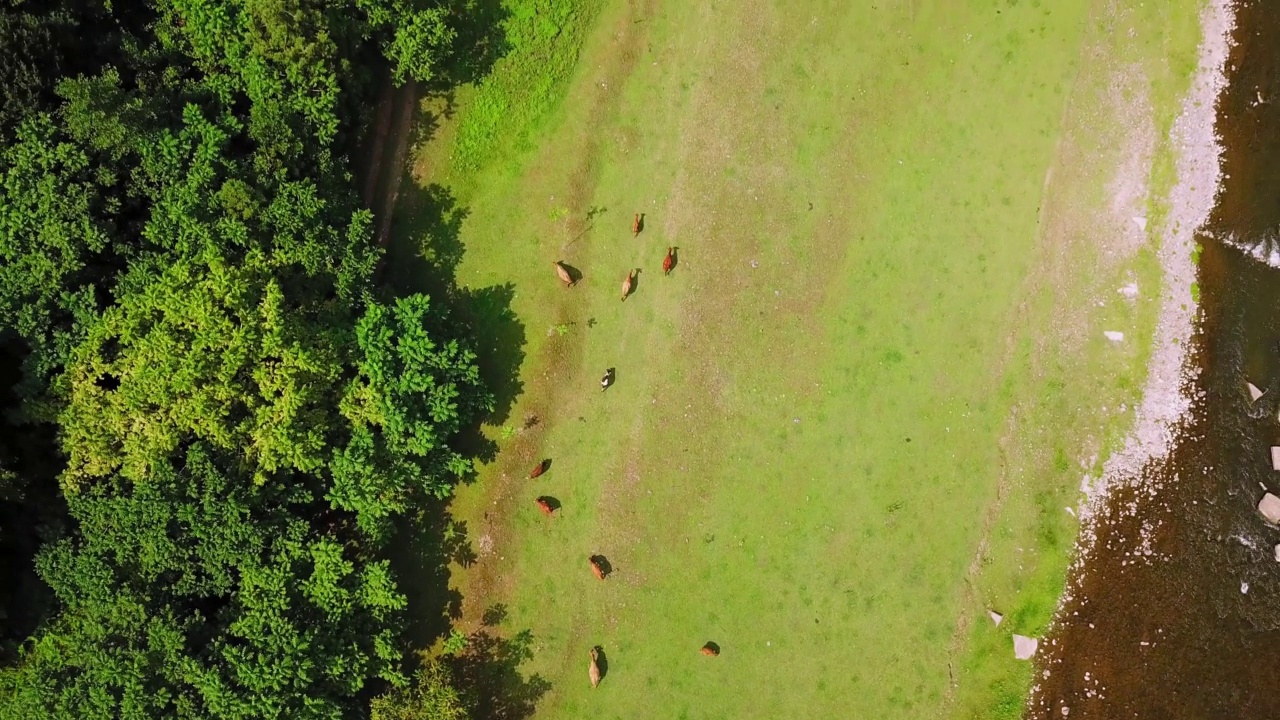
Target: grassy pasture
849	421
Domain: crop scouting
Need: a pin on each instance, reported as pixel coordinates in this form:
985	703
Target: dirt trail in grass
545	398
388	153
374	168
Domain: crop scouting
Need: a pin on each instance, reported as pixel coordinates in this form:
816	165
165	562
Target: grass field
850	420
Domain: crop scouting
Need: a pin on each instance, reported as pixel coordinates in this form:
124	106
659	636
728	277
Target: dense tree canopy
242	415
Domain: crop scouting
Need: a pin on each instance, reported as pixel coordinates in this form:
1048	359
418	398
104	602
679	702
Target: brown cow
593	670
711	649
596	567
627	283
635	226
669	261
563	274
544	504
538	470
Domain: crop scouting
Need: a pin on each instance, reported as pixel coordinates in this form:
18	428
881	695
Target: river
1176	613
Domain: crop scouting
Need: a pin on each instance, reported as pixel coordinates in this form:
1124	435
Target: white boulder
1024	648
1269	506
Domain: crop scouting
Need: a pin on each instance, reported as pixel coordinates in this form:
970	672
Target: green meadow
850	420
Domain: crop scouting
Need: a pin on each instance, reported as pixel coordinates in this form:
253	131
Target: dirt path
404	103
373	173
543	399
388	154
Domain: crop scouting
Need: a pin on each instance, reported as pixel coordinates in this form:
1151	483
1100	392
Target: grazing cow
593	670
596	567
635	226
669	261
563	273
627	283
711	649
607	380
538	469
544	504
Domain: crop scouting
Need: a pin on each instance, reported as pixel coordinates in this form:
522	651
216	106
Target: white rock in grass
1130	291
1141	222
997	617
1254	392
1269	506
1024	648
1113	335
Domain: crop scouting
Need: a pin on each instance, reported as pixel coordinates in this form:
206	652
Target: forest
214	415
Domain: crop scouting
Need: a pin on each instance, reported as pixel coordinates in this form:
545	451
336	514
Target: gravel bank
1166	397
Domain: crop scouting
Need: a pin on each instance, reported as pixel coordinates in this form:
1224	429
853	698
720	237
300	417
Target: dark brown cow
596	567
544	504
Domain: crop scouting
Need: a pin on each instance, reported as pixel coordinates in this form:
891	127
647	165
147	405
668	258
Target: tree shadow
433	106
424	258
500	341
489	668
427	246
481	39
427	545
33	511
494	615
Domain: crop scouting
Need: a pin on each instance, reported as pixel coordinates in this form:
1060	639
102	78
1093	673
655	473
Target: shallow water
1192	629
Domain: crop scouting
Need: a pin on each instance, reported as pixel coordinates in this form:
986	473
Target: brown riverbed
1177	612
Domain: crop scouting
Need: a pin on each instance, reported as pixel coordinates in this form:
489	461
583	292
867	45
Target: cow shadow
489	667
602	662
